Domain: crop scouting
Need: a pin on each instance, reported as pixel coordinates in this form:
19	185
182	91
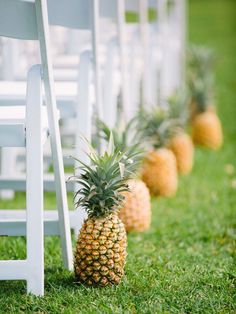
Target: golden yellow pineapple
207	130
101	251
136	210
180	142
206	125
101	246
160	172
194	110
159	169
181	145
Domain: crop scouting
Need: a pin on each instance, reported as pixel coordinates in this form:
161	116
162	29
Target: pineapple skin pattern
182	146
160	172
136	210
101	251
207	130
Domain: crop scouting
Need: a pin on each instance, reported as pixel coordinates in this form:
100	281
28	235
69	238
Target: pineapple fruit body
182	146
101	251
136	210
207	130
160	172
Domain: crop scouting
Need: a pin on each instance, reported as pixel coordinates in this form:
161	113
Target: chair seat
12	126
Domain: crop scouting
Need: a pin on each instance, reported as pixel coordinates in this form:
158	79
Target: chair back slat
152	4
18	19
75	14
132	6
108	8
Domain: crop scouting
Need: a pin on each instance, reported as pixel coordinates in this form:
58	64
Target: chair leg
34	206
34	184
55	139
62	205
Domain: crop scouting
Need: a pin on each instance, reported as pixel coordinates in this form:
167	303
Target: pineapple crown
155	126
201	95
200	78
177	105
102	182
125	136
200	62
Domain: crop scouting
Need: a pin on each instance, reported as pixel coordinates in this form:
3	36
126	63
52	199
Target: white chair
77	15
173	42
28	126
82	15
136	42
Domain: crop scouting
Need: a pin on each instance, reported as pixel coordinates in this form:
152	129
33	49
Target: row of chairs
99	62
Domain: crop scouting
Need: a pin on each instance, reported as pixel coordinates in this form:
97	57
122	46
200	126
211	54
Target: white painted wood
108	8
12	122
24	17
123	55
14	270
109	89
183	38
34	183
71	14
16	135
97	69
18	183
13	222
34	272
143	18
7	168
10	52
152	4
32	269
84	119
132	6
43	29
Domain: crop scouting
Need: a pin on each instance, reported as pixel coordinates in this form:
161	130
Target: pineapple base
160	172
136	210
101	251
182	146
207	130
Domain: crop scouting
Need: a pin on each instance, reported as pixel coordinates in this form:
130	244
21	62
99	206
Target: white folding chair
136	39
28	126
76	14
173	41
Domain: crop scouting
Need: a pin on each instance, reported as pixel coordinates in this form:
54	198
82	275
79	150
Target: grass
186	262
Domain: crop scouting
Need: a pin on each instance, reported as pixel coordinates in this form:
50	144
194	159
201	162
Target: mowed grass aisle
186	262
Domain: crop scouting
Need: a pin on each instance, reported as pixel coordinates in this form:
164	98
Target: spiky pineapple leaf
103	181
126	139
200	76
155	126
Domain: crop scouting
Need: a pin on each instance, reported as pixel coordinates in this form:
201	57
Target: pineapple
206	126
200	61
207	130
135	211
180	142
159	170
181	145
101	246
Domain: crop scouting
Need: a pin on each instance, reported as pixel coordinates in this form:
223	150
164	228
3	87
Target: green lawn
186	262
